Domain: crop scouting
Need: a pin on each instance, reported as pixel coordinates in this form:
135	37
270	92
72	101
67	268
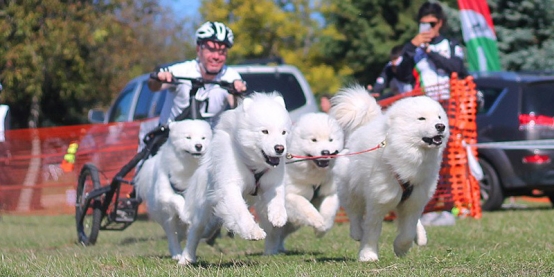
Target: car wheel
492	195
551	197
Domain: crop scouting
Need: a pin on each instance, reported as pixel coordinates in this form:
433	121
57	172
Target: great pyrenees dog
244	166
311	194
164	178
401	175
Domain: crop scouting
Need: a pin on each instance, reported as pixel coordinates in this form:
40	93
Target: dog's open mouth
195	154
273	161
436	140
321	163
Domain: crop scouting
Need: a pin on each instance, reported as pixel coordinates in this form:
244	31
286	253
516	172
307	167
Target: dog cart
102	207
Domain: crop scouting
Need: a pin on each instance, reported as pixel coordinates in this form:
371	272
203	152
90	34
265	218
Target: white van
136	101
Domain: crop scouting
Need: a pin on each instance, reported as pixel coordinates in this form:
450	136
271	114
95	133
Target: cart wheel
88	221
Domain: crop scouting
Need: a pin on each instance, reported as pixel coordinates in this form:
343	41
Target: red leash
304	158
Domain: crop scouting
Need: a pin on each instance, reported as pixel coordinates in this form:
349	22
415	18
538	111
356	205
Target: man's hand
165	76
240	85
422	38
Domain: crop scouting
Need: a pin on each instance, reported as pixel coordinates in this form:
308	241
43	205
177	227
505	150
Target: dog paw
277	219
184	260
256	233
320	233
368	256
401	249
176	257
421	235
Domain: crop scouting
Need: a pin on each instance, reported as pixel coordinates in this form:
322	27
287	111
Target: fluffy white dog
311	195
164	178
243	166
402	176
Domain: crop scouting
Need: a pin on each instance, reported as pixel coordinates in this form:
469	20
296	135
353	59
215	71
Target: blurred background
59	58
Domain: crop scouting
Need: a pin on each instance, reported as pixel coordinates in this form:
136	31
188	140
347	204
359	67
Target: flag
479	35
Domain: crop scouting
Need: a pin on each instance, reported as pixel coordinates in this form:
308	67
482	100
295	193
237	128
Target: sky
182	7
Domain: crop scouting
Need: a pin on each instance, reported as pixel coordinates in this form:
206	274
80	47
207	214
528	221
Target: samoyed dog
400	175
244	166
164	178
311	194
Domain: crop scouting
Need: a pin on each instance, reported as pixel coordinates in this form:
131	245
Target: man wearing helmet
213	40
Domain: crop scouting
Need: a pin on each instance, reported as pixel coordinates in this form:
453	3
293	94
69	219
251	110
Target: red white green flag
479	35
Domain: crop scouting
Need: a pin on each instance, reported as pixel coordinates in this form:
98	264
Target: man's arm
383	80
164	75
453	64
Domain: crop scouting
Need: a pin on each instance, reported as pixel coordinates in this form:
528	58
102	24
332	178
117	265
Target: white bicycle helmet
214	31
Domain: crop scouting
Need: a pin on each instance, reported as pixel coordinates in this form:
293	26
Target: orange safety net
39	167
457	190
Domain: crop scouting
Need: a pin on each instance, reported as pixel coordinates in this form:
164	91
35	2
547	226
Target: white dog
311	195
401	176
243	166
164	178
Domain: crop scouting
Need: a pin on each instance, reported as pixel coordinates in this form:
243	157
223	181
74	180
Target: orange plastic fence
457	190
39	167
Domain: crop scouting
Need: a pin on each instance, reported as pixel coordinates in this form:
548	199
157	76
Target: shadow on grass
231	264
133	240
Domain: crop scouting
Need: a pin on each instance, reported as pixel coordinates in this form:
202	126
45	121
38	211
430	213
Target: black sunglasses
432	23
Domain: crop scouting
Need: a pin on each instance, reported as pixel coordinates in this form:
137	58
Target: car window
284	83
157	108
122	106
486	97
144	102
538	99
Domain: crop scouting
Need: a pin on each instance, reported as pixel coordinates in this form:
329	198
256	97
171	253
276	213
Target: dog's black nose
198	146
325	153
440	127
279	149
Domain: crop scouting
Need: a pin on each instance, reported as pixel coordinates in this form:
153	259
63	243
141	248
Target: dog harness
407	188
257	177
175	189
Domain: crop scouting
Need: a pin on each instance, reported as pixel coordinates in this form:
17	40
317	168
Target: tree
67	56
368	29
525	33
287	29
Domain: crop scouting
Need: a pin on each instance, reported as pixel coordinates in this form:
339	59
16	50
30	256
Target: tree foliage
525	33
369	29
60	58
287	29
70	55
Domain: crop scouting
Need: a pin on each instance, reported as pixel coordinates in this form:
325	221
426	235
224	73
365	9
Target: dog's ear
279	99
246	103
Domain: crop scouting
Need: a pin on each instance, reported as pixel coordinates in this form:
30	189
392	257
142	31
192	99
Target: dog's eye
188	137
331	140
314	140
265	132
421	118
440	117
203	138
284	133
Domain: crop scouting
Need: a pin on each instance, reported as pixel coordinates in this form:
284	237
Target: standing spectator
388	79
431	57
325	103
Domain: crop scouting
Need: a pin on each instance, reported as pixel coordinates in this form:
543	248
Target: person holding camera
431	58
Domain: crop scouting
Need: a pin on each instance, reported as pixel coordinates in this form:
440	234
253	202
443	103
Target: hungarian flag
479	35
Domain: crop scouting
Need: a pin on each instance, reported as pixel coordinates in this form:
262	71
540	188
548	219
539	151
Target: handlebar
198	83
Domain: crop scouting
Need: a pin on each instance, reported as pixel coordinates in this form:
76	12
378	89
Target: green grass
506	243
